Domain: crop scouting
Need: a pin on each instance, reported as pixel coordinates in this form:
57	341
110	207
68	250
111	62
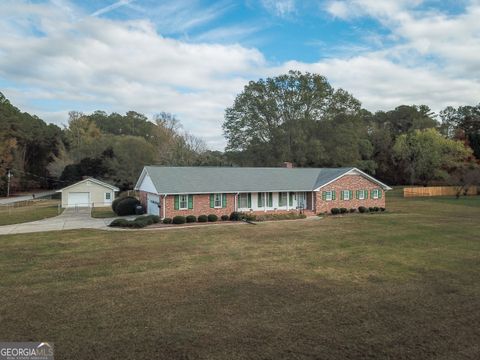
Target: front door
301	200
153	202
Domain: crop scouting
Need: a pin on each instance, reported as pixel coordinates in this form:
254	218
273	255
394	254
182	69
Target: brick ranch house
170	191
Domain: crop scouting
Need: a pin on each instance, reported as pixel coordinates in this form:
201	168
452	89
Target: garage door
152	204
79	199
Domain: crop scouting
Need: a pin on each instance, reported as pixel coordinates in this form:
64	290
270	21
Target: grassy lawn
397	285
103	212
35	210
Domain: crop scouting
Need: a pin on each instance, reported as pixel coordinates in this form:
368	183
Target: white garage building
88	193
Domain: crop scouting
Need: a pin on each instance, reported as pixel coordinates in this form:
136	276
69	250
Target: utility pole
9	175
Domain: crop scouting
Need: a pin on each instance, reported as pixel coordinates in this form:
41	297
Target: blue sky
191	57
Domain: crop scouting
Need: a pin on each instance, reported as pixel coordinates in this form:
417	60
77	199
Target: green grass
103	212
34	210
396	285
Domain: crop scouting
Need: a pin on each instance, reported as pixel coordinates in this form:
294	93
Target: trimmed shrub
115	203
284	216
202	218
167	220
119	223
343	210
376	208
370	209
249	217
212	217
335	211
352	210
127	206
362	209
382	209
191	218
179	219
137	223
139	210
224	217
235	216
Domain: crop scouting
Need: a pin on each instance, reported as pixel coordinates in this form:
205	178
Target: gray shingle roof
177	180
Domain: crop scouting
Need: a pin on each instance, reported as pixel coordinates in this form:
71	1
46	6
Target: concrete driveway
69	219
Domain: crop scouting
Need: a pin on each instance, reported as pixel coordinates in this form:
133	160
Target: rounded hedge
352	210
382	209
371	209
202	218
191	218
126	206
119	223
362	209
343	210
212	217
224	217
335	211
235	216
115	203
376	208
167	220
179	219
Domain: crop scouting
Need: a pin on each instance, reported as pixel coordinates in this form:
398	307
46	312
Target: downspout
164	209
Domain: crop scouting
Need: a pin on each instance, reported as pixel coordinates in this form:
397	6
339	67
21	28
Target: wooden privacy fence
436	191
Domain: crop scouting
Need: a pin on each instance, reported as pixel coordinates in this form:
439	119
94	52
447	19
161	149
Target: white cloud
280	8
85	63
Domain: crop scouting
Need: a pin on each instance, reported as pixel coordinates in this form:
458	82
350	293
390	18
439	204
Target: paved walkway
69	219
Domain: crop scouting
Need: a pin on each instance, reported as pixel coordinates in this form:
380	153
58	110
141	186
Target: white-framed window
243	201
260	200
361	194
375	194
183	202
282	199
328	195
217	200
346	194
108	196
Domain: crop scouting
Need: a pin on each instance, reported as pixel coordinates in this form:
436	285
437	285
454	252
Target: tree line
111	147
300	118
296	117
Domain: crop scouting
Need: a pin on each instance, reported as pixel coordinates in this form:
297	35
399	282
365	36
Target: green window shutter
334	195
176	202
379	193
366	193
190	202
357	194
270	199
342	197
224	200
249	198
371	194
212	201
290	199
324	195
351	194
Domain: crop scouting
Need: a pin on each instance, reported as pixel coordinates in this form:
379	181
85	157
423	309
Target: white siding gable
147	185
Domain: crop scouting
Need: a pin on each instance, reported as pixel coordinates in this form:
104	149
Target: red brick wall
353	183
143	198
201	206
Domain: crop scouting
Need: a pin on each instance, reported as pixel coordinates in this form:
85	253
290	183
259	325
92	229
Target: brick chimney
287	164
